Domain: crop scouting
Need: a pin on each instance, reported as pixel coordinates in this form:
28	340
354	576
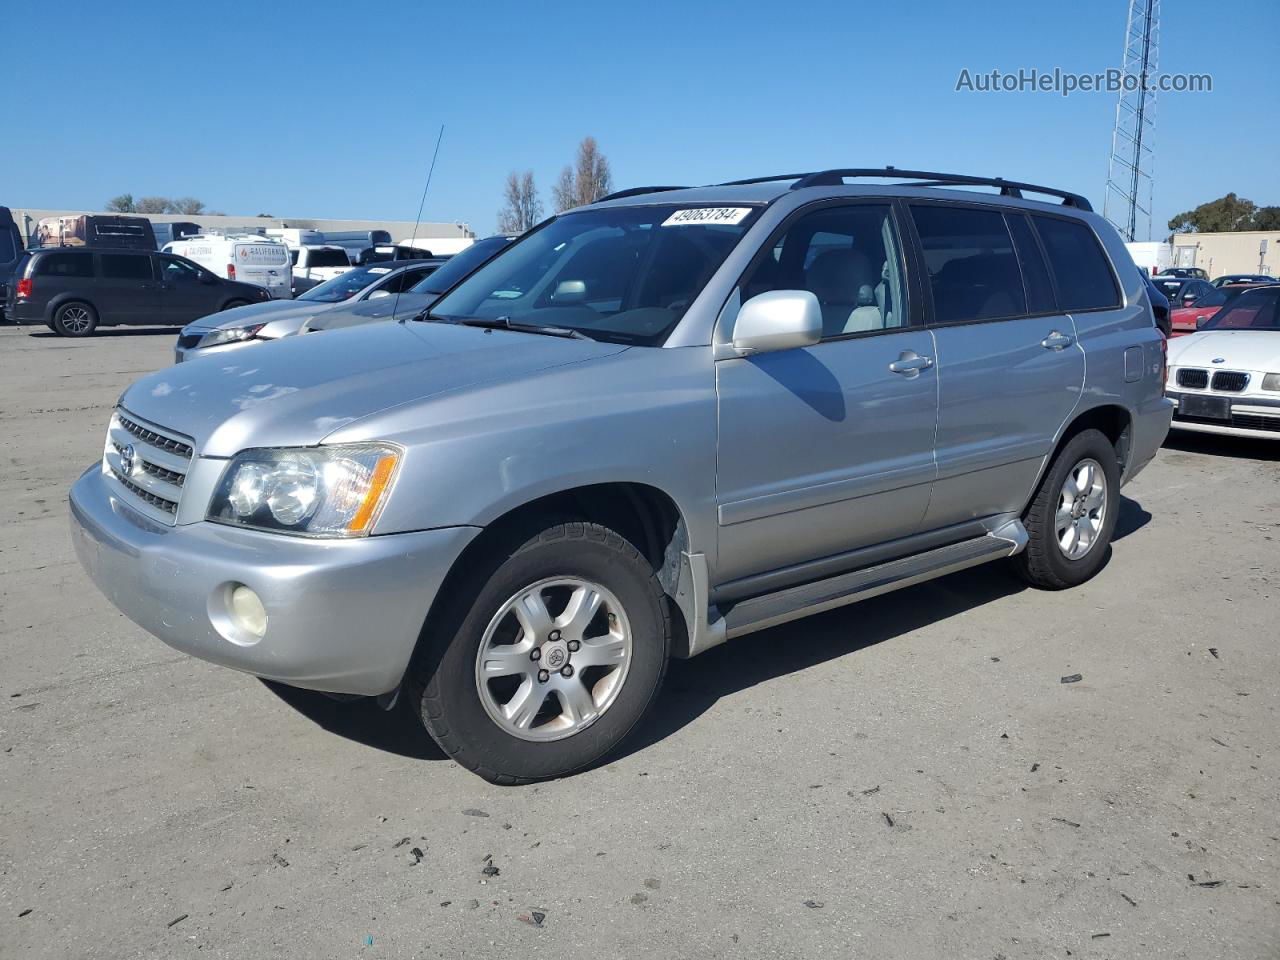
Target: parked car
1225	378
1183	292
1232	279
386	252
249	258
11	251
1185	318
258	322
414	299
1159	303
648	426
76	290
1185	273
314	264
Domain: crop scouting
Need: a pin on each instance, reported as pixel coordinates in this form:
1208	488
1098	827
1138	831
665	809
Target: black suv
75	290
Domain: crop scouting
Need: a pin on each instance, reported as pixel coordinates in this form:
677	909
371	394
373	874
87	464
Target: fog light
248	612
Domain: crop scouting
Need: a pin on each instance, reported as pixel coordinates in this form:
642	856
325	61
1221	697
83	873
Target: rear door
126	290
1009	369
187	292
829	448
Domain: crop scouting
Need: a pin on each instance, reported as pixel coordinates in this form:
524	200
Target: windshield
624	274
459	265
1254	309
345	286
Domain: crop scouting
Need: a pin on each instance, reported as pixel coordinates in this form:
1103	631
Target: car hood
1237	349
370	311
295	392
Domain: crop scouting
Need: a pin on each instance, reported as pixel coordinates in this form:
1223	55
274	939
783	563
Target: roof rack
635	192
920	178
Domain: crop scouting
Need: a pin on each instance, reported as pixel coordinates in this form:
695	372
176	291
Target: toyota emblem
127	458
555	659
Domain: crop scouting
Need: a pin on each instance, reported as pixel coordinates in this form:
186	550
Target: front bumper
343	616
1249	416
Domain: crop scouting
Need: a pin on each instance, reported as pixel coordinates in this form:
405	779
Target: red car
1184	315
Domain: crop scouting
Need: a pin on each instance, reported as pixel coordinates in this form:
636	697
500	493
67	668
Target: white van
245	257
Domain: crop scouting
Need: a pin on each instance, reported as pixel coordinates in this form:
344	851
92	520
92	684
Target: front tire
75	319
232	304
559	652
1073	514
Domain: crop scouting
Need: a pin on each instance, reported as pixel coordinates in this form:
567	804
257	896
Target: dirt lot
908	777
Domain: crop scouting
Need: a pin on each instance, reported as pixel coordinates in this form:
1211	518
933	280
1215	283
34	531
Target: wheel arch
60	300
1113	420
646	516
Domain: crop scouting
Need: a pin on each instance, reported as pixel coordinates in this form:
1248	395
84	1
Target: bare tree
187	205
122	204
586	181
593	177
521	209
565	193
152	205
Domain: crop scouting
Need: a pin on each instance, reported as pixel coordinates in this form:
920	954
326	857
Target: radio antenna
421	203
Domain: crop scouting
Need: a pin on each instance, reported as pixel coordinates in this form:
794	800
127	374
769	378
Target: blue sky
332	109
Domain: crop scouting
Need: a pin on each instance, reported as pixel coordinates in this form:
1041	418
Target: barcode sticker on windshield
702	216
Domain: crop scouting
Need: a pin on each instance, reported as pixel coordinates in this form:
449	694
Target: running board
769	610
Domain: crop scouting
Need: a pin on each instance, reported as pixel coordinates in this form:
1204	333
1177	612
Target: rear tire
1073	514
75	319
516	688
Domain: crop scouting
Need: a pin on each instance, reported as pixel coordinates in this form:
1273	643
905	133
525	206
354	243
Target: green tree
122	204
1267	218
1217	216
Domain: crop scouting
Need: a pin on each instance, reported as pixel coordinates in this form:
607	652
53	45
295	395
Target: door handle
1056	341
910	363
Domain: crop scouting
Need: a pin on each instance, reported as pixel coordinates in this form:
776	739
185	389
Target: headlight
231	335
1271	381
333	491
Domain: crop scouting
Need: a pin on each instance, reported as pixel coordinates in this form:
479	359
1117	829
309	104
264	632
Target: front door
829	448
186	291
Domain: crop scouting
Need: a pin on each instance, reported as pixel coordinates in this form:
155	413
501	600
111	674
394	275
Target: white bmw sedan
1225	377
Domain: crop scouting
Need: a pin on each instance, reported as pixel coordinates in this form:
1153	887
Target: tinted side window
1035	275
1079	266
972	268
847	257
124	266
175	270
8	250
65	265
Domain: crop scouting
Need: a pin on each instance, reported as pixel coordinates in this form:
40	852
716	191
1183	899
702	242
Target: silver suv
649	426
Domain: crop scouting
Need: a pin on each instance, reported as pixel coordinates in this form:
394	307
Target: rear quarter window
124	266
1080	269
64	265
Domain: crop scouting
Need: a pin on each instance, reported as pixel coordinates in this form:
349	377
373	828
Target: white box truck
1151	255
248	258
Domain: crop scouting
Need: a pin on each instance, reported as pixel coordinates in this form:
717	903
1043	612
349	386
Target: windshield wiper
506	323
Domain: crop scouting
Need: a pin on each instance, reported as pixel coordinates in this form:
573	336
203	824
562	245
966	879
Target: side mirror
570	291
1201	321
777	320
1189	299
378	294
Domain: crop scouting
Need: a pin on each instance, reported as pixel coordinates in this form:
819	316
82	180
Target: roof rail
635	192
1008	188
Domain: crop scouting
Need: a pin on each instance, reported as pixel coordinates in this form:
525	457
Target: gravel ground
908	777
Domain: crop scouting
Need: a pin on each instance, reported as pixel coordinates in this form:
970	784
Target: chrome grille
161	459
1193	379
1230	381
